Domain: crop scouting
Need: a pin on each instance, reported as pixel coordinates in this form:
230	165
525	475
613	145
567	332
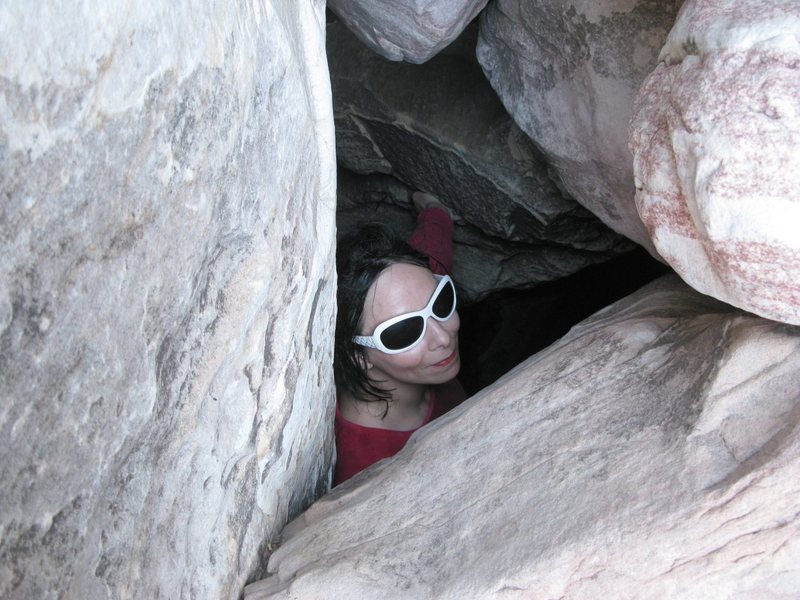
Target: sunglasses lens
445	302
403	334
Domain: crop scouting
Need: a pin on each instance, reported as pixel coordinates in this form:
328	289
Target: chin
448	373
456	367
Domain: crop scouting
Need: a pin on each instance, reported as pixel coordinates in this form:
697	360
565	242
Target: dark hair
360	257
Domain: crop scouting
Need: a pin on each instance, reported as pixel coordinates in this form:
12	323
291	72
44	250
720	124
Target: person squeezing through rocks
396	352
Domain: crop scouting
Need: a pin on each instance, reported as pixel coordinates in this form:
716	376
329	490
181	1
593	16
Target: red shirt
357	446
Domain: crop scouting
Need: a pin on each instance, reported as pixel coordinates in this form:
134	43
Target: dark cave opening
505	328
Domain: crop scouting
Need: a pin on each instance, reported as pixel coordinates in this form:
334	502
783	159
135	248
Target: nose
436	334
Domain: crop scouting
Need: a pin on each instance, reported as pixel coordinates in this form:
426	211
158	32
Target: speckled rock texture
653	452
716	142
166	292
568	70
408	30
439	127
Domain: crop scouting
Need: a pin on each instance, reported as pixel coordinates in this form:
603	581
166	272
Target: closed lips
447	360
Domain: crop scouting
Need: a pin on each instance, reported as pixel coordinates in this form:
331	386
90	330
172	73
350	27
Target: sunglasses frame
374	340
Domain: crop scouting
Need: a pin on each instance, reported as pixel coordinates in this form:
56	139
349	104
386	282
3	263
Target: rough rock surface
568	70
716	142
166	292
654	452
440	127
409	30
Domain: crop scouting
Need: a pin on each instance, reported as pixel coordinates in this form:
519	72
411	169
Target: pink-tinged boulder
716	142
409	30
567	71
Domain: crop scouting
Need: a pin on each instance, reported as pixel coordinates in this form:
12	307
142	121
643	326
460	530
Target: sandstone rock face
409	30
567	70
166	292
439	127
654	452
716	143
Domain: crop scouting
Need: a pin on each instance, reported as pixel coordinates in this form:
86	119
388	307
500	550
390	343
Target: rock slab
166	292
567	71
653	452
407	30
716	142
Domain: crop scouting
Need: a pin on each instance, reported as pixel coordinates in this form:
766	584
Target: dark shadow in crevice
506	327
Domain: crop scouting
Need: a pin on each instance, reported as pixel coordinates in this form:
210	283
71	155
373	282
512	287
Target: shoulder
365	414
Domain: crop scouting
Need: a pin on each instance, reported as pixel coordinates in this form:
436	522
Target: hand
423	200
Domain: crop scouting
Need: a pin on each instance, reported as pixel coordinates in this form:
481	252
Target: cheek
412	359
453	323
403	362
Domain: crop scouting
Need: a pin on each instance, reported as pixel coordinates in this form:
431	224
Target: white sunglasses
405	331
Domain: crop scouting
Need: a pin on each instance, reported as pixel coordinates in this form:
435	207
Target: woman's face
399	289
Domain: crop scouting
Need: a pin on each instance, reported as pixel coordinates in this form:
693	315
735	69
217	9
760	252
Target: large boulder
166	292
653	452
568	70
440	127
409	30
716	143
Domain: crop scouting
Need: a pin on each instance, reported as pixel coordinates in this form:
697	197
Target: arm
433	235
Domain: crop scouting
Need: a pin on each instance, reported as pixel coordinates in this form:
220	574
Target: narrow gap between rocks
505	328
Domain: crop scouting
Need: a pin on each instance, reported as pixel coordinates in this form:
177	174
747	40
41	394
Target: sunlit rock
409	30
716	142
439	127
567	70
166	292
651	453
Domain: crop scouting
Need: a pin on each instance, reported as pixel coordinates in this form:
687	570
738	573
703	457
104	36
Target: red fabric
433	235
357	446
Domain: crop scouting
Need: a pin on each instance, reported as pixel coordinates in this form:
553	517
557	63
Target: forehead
399	289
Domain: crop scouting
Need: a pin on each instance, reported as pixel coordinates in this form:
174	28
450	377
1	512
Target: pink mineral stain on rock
716	143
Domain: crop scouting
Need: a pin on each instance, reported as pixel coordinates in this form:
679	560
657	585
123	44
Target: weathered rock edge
409	30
